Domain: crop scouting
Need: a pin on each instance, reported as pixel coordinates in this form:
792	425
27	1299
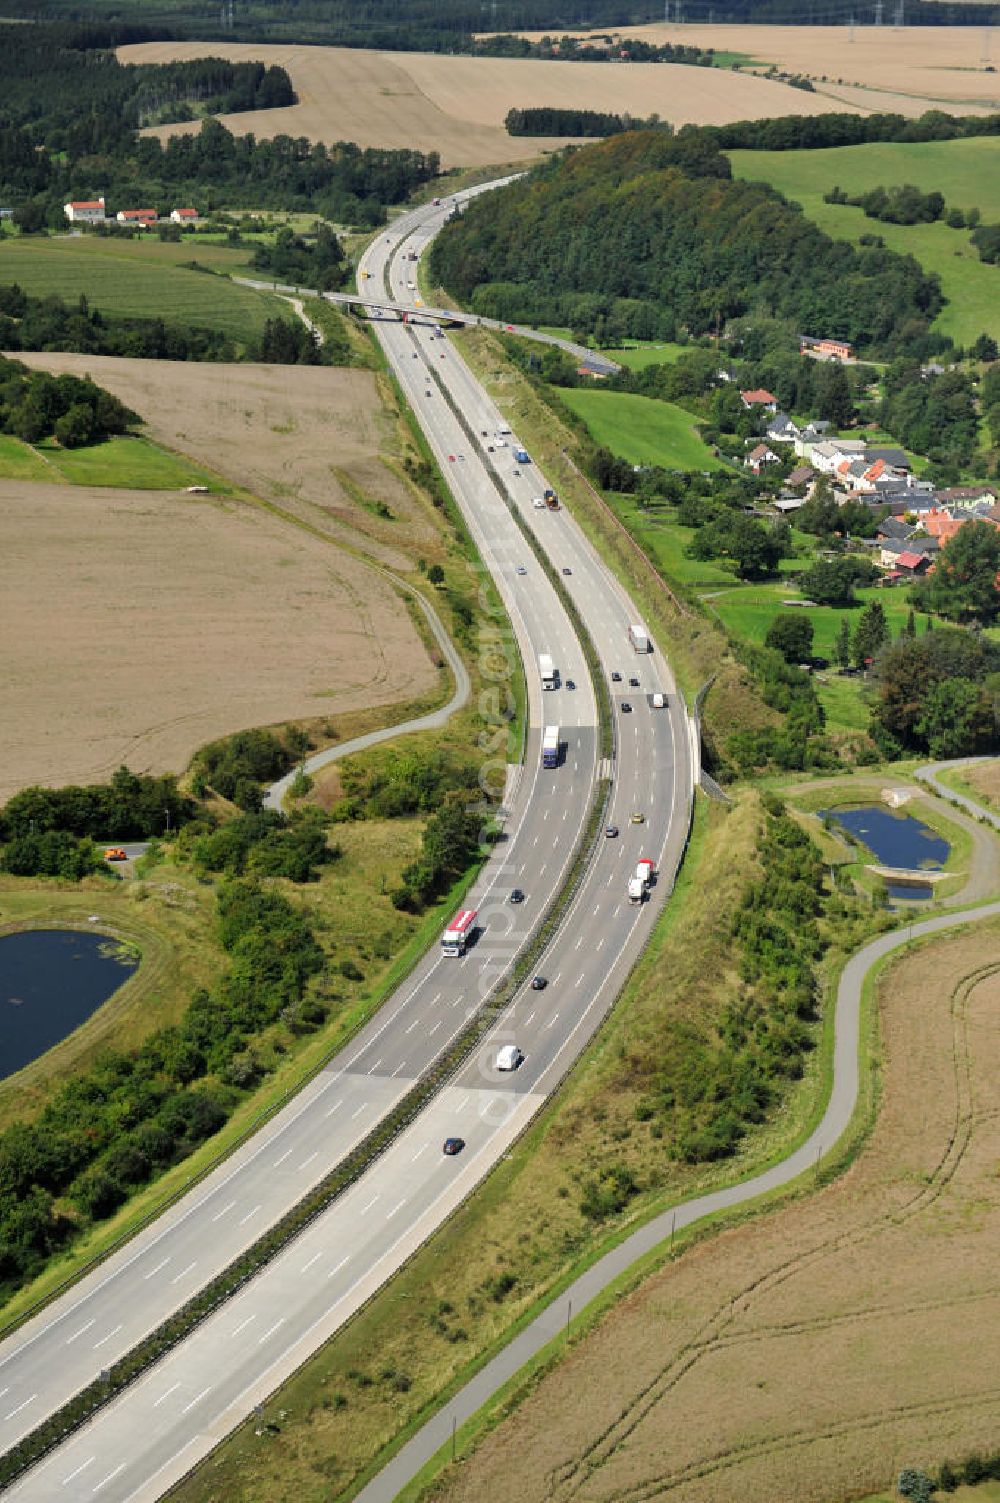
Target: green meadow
141	279
641	429
129	461
966	172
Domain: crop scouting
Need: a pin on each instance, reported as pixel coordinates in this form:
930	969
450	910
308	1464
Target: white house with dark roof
781	429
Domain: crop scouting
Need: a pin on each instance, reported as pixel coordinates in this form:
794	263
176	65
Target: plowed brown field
807	1355
456	105
138	625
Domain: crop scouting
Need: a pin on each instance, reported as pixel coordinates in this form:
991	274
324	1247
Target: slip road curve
436	1436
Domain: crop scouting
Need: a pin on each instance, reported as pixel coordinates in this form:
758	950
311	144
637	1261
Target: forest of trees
654	224
552	121
63	83
813	132
74	410
438	25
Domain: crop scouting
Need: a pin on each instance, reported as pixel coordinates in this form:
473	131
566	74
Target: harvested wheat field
456	105
907	69
312	439
984	779
139	624
808	1355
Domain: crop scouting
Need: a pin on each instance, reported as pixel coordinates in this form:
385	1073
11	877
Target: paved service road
433	720
437	1432
152	1433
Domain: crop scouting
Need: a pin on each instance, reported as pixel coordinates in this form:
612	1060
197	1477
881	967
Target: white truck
639	637
547	671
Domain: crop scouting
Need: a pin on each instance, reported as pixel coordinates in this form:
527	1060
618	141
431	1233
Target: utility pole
878	12
850	28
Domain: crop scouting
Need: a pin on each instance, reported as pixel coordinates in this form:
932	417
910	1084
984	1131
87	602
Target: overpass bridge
387	308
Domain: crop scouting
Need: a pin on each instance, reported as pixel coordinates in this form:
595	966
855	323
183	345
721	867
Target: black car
616	677
626	707
538	983
633	683
516	895
453	1146
570	684
567	571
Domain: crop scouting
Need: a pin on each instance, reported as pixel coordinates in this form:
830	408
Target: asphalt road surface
152	1433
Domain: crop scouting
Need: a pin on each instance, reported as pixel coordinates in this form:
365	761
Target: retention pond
897	840
51	980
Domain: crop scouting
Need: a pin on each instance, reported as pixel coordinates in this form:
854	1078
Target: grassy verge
960	781
18	461
695	646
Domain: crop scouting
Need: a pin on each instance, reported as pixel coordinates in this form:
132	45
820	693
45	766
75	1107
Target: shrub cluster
133	806
728	1075
74	410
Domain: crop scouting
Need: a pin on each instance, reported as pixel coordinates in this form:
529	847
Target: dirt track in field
810	1354
456	105
140	624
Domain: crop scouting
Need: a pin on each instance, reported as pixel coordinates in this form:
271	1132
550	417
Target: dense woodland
446	25
652	228
52	77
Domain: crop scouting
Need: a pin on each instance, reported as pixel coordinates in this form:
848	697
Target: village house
184	216
828	455
85	211
812	433
908	565
759	457
803	475
781	429
891	550
760	398
144	218
894	528
962	494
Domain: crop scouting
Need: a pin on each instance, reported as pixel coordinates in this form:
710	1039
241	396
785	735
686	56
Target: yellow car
637	818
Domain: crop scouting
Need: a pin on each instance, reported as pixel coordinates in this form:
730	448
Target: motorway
153	1432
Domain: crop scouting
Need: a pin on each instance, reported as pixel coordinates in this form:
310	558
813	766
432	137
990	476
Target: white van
509	1057
659	701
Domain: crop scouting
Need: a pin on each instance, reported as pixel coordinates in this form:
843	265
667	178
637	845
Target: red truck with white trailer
456	937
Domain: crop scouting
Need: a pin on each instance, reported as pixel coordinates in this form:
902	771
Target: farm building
142	217
184	216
